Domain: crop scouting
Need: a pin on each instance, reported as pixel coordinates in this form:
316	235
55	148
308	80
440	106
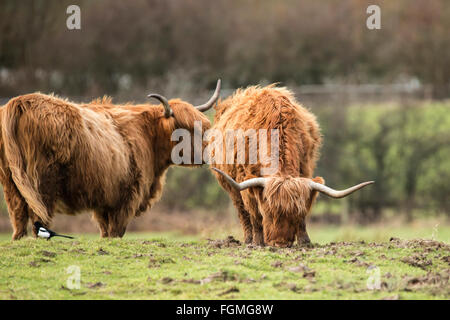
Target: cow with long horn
272	207
58	156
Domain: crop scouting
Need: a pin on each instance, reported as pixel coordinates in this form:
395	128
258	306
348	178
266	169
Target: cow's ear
319	180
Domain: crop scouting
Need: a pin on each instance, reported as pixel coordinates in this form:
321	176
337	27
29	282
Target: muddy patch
419	243
417	260
437	281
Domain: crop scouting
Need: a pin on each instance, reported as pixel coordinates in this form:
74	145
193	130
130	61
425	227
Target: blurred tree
244	42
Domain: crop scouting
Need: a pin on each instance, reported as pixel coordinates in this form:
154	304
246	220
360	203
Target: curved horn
254	182
212	100
337	193
167	110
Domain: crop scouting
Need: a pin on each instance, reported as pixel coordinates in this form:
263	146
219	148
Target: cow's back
272	108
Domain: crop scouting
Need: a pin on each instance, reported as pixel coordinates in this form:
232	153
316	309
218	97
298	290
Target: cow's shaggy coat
275	214
57	156
272	206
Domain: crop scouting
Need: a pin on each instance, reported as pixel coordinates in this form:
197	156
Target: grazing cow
272	207
57	156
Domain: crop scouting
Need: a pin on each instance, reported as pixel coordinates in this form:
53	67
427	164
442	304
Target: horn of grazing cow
337	193
212	100
261	182
254	182
167	110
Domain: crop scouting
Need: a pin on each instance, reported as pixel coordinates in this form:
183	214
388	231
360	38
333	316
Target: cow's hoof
18	235
304	241
248	240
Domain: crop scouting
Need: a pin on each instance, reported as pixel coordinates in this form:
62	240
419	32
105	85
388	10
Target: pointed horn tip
218	88
365	183
206	106
217	170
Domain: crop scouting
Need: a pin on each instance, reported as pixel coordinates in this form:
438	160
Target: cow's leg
256	220
116	230
102	221
258	231
302	234
244	215
17	208
118	222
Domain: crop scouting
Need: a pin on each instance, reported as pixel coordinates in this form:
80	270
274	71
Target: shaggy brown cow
57	156
272	208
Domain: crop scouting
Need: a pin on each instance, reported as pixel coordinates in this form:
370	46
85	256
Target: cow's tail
26	182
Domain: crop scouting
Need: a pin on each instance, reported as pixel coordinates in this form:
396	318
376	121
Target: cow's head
284	203
179	121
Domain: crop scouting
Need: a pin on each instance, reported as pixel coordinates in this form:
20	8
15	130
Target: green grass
171	266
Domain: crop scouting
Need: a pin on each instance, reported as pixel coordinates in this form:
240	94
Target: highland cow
273	207
57	156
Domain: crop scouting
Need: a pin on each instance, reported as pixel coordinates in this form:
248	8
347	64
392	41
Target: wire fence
322	94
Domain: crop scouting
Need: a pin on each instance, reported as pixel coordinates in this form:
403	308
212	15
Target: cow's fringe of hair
287	195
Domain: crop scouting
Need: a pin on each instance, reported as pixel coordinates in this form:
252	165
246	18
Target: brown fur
276	214
57	156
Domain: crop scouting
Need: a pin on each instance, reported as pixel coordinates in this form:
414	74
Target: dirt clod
219	276
292	286
309	274
417	260
33	264
277	264
102	252
166	280
93	285
232	289
230	241
48	254
191	281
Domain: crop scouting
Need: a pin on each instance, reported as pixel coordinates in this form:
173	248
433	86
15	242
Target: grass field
344	263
